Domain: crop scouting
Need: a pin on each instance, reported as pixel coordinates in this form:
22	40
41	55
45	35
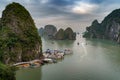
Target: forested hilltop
109	28
19	39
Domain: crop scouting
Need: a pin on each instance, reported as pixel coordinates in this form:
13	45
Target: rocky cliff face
19	39
50	30
112	31
41	32
60	34
109	28
94	31
67	34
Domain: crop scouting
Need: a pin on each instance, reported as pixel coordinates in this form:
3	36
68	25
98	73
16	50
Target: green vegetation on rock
107	29
60	34
6	72
19	39
94	30
50	31
69	34
66	34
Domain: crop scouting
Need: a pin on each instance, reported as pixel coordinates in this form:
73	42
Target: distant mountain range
50	31
109	28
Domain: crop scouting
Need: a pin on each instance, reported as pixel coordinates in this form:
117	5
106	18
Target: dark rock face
60	34
112	32
19	39
0	24
0	21
50	30
41	32
108	29
67	34
94	30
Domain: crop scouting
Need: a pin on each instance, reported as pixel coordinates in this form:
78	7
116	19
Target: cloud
44	1
66	12
96	1
61	2
84	8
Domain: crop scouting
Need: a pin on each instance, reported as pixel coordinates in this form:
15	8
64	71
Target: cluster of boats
29	64
52	56
49	56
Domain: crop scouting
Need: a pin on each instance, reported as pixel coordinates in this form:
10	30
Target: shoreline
33	63
49	56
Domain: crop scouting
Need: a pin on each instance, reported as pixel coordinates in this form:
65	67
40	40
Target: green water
98	60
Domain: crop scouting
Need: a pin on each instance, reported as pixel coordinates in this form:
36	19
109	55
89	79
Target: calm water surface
91	60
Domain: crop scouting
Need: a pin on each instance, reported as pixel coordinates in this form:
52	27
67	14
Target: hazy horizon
76	14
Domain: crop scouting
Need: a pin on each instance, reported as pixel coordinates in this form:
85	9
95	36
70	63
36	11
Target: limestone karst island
59	40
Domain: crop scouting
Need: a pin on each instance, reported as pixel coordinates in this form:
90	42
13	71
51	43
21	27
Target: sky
76	14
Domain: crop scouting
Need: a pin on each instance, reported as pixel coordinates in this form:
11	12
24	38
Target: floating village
49	56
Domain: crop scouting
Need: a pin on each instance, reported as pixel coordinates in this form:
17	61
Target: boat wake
85	50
